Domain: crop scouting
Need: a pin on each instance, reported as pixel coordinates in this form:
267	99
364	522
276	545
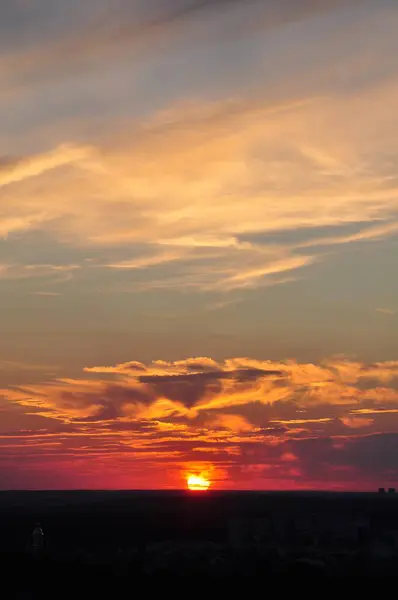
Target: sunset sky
199	243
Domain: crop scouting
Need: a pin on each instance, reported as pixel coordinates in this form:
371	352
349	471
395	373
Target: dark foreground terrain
113	540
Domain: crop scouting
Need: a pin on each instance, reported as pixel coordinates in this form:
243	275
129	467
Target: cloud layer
196	177
177	199
173	188
236	417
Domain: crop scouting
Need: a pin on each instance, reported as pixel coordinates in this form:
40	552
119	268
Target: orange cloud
235	423
249	416
200	159
288	457
374	411
386	311
354	422
301	421
187	389
242	412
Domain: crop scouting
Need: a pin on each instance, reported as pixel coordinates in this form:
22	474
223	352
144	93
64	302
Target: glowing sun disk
197	483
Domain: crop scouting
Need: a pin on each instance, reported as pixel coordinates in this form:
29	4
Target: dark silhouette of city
113	539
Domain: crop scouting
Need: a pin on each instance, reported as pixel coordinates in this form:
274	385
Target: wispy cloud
89	37
221	304
23	271
206	171
354	422
375	411
46	294
302	421
386	311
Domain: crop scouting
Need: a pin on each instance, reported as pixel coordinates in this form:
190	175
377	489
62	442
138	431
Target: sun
198	483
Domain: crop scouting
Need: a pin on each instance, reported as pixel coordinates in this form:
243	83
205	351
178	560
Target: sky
198	244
